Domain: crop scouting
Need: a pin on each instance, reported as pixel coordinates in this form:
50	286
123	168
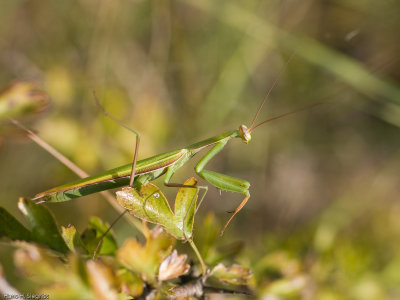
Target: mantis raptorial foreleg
222	181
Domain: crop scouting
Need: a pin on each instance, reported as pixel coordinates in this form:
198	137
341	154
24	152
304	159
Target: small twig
197	252
65	161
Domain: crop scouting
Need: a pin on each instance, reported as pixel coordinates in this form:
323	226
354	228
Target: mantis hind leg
133	171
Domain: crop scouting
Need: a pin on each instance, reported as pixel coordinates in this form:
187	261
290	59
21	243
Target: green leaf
12	228
236	274
185	207
43	226
109	244
146	259
51	275
72	239
152	206
90	240
132	283
37	263
206	235
288	288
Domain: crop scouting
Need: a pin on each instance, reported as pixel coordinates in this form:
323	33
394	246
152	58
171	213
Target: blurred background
324	182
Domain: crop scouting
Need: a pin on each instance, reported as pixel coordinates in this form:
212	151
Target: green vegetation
322	221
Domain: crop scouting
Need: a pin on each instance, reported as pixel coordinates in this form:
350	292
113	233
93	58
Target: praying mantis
139	173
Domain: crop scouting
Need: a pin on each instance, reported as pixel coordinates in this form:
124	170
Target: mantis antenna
286	114
270	90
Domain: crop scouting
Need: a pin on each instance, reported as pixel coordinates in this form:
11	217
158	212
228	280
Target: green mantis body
151	168
142	172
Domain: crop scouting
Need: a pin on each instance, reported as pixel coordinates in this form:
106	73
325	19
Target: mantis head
244	133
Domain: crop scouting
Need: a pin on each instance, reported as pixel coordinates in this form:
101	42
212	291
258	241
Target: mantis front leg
222	181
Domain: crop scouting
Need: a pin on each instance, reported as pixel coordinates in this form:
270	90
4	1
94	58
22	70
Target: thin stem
65	161
203	266
78	171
